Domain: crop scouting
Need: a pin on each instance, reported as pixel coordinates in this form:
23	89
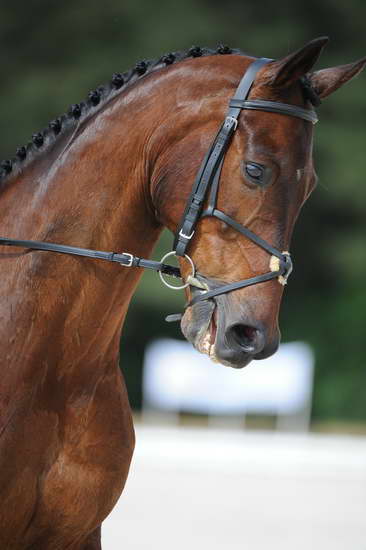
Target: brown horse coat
111	180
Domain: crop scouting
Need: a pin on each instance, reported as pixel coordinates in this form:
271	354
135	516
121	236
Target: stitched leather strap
245	85
213	161
244	231
124	259
274	107
195	201
234	286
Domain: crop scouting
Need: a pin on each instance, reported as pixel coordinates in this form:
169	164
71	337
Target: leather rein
207	181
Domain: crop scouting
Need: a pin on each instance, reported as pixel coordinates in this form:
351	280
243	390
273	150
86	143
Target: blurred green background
53	53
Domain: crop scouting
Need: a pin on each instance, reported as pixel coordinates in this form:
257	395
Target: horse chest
70	473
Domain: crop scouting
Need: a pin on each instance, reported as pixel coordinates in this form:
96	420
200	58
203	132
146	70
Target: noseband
206	186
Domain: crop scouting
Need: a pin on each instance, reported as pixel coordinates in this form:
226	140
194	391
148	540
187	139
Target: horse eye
254	171
257	174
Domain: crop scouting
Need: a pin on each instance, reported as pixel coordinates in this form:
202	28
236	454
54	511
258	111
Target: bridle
208	179
206	186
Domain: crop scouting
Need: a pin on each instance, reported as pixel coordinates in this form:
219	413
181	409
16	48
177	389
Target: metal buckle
130	259
188	237
173	253
232	119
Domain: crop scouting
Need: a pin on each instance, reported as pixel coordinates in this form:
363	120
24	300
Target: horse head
266	176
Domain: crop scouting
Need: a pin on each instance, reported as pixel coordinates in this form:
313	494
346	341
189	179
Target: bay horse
110	175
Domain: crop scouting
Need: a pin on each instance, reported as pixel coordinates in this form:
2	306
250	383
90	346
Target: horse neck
91	191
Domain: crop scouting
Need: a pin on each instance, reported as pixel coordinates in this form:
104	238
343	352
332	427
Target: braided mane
96	99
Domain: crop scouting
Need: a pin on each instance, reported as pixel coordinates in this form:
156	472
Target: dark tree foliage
52	54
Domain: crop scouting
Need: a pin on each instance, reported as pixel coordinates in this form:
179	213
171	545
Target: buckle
130	259
188	237
231	119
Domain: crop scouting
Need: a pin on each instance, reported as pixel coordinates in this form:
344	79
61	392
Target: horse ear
327	81
286	71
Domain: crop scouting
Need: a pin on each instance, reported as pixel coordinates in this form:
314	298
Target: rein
207	181
125	259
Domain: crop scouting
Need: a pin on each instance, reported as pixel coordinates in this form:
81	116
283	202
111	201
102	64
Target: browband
275	107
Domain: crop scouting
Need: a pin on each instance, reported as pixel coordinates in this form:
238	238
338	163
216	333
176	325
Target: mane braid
96	99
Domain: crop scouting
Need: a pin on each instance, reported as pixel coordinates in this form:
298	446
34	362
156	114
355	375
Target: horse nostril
250	339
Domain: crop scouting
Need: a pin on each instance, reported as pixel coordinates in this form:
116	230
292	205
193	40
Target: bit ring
173	253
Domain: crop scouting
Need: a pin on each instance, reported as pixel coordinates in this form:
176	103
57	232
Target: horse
110	174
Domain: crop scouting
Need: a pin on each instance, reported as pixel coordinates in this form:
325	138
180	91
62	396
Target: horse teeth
205	346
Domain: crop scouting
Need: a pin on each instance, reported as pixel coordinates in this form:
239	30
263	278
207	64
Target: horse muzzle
227	334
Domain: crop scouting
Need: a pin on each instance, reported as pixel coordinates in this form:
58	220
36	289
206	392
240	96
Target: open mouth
206	338
201	330
216	330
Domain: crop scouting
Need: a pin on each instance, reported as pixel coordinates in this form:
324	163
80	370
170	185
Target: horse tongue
174	317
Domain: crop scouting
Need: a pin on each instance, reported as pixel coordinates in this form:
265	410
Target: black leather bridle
207	181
